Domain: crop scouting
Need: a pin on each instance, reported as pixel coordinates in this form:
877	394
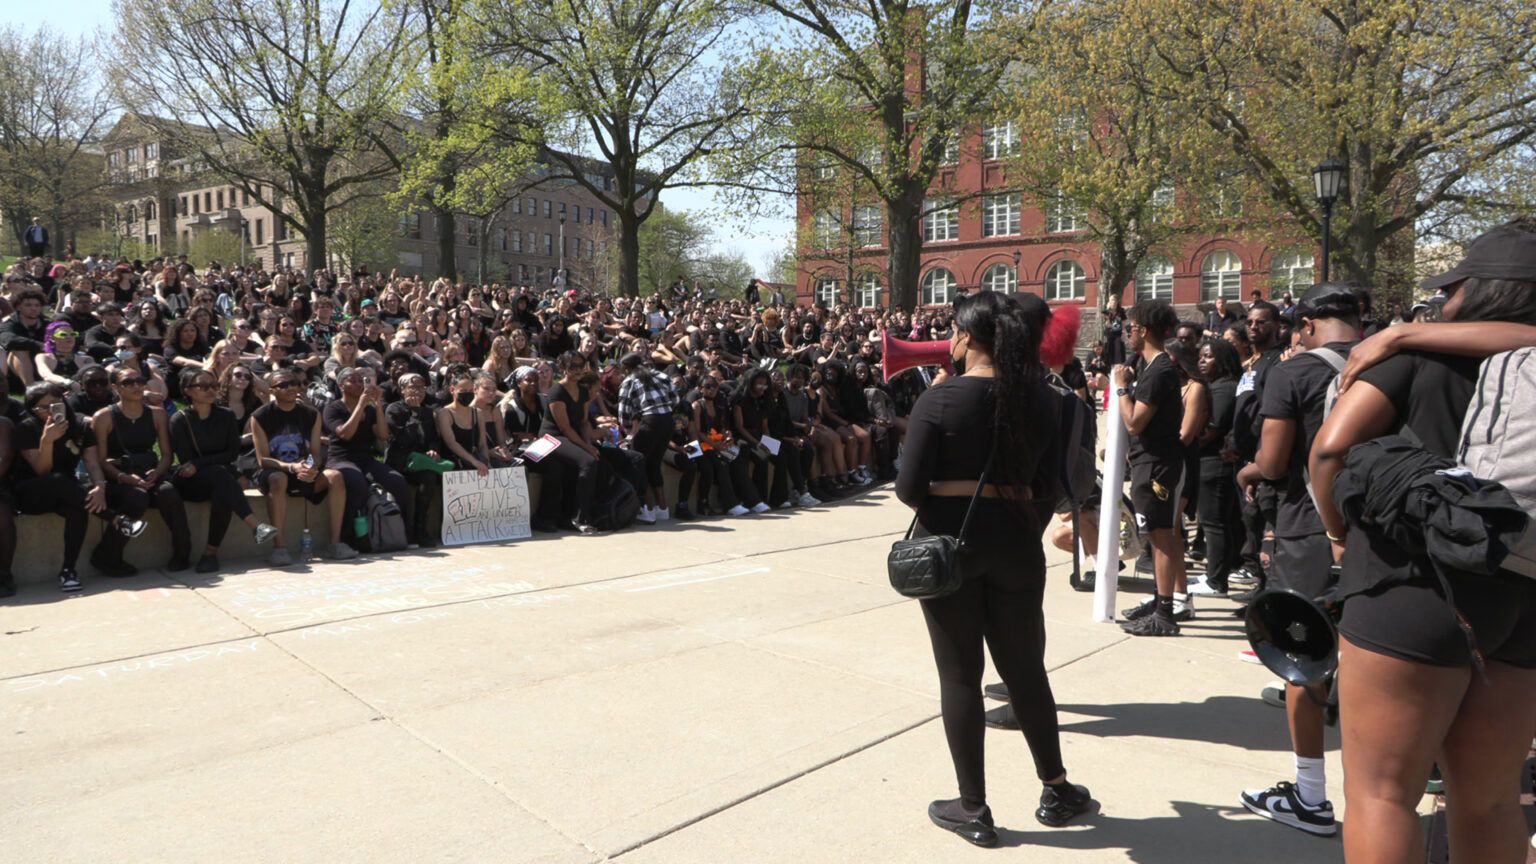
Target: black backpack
615	506
1079	433
386	524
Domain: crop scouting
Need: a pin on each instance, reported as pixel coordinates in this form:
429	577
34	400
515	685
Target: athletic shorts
1301	564
1411	621
1155	488
296	488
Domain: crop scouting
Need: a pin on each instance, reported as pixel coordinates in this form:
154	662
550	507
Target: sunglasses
65	334
285	385
239	376
201	385
412	344
347	344
126	382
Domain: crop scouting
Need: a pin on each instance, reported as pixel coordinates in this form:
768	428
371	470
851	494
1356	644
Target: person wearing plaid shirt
646	402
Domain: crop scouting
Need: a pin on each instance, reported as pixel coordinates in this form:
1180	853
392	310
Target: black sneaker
1086	582
998	691
1151	625
207	564
69	580
129	527
118	569
1280	803
682	512
951	816
1243	597
1243	576
1140	610
1002	717
7	585
1144	562
1059	803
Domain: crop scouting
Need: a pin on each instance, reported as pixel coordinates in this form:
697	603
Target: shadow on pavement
1232	720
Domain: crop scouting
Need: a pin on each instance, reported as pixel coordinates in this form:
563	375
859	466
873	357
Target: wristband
1329	535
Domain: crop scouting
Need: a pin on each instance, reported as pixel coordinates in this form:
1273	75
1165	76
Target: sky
759	240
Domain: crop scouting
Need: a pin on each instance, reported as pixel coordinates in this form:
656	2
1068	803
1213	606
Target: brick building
163	199
1005	241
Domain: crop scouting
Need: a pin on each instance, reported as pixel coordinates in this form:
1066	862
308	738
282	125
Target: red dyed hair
1060	338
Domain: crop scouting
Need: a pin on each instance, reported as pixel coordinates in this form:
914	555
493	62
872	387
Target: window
823	169
533	206
1227	201
517	241
221	199
866	291
149	210
517	206
133	155
1065	281
1000	277
280	228
548	209
1000	215
605	218
1154	279
415	229
938	286
472	232
824	226
941	222
532	248
114	159
999	141
132	214
1290	271
183	205
260	236
1061	214
245	198
591	215
208	202
1221	276
562	212
866	225
549	243
151	151
1162	202
951	150
826	291
589	249
522	272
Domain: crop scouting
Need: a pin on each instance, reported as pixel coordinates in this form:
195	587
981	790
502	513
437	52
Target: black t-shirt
335	416
572	404
66	450
287	431
1296	390
1158	385
1430	393
1223	406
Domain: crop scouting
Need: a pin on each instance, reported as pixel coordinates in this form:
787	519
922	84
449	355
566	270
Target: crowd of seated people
172	384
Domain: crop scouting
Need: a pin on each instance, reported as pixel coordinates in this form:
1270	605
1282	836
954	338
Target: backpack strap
1337	361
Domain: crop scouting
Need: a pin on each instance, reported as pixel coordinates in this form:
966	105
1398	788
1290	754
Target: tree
283	98
630	80
674	243
1107	157
365	230
884	91
1424	102
52	109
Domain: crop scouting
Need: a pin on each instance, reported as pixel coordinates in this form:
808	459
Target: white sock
1311	783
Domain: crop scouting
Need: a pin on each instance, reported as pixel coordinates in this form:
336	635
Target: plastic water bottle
306	546
81	474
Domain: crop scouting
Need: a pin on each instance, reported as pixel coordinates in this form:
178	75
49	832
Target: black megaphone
1294	636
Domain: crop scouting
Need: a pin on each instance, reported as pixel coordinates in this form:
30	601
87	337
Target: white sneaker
1200	588
1282	804
760	507
786	505
807	500
738	510
662	514
647	516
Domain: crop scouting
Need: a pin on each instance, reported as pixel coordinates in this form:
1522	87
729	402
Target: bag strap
976	496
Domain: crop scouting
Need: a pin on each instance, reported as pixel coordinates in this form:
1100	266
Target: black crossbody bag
928	567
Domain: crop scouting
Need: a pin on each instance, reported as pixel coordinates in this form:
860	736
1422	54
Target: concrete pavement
744	690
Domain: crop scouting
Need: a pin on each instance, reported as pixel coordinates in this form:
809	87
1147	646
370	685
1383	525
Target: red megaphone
899	355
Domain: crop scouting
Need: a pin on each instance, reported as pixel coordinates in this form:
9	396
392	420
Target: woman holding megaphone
993	426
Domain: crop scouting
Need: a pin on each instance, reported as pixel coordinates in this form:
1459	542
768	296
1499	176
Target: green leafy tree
291	98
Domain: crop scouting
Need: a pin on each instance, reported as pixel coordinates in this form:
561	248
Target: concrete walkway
736	691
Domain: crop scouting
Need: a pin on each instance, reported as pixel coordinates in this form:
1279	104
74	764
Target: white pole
1107	579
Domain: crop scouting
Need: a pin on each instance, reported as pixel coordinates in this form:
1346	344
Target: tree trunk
447	265
315	218
629	254
903	216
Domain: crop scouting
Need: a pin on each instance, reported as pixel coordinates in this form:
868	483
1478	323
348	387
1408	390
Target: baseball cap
1505	252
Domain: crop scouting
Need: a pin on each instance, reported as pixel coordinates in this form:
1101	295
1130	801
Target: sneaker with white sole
280	557
786	504
760	507
1281	803
662	514
1204	588
264	533
738	510
807	500
1273	694
647	516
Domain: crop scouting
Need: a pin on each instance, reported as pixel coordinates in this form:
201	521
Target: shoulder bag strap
975	496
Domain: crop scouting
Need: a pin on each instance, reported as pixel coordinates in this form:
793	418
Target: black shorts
296	488
1155	492
1301	564
1411	621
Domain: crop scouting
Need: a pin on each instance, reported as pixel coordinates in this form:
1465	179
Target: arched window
866	291
1066	281
826	291
1221	276
1290	271
1154	279
938	287
133	214
1000	277
149	210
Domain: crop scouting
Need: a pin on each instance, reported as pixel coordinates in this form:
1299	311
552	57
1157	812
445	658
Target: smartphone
56	411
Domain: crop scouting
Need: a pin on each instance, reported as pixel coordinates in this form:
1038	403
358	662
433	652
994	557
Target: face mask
463	398
124	355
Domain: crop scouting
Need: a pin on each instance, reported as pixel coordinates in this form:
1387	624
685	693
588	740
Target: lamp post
1327	176
1016	281
561	272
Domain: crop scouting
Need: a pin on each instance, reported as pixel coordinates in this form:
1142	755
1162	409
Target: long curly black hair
1009	327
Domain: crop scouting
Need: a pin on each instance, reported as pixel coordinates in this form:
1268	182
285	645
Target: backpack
386	524
1079	438
1330	397
1499	443
616	506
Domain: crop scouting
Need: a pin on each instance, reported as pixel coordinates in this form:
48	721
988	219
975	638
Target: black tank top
469	438
64	365
132	436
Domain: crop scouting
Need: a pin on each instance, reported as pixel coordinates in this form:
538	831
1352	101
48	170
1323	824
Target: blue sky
759	241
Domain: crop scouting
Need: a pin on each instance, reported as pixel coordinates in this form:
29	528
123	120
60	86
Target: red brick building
1005	241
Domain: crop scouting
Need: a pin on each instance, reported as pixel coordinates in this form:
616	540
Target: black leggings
582	466
1221	518
216	485
55	493
135	502
999	603
715	472
689	470
426	486
651	442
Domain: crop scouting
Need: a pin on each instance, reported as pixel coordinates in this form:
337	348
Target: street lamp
1327	176
1016	256
561	274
